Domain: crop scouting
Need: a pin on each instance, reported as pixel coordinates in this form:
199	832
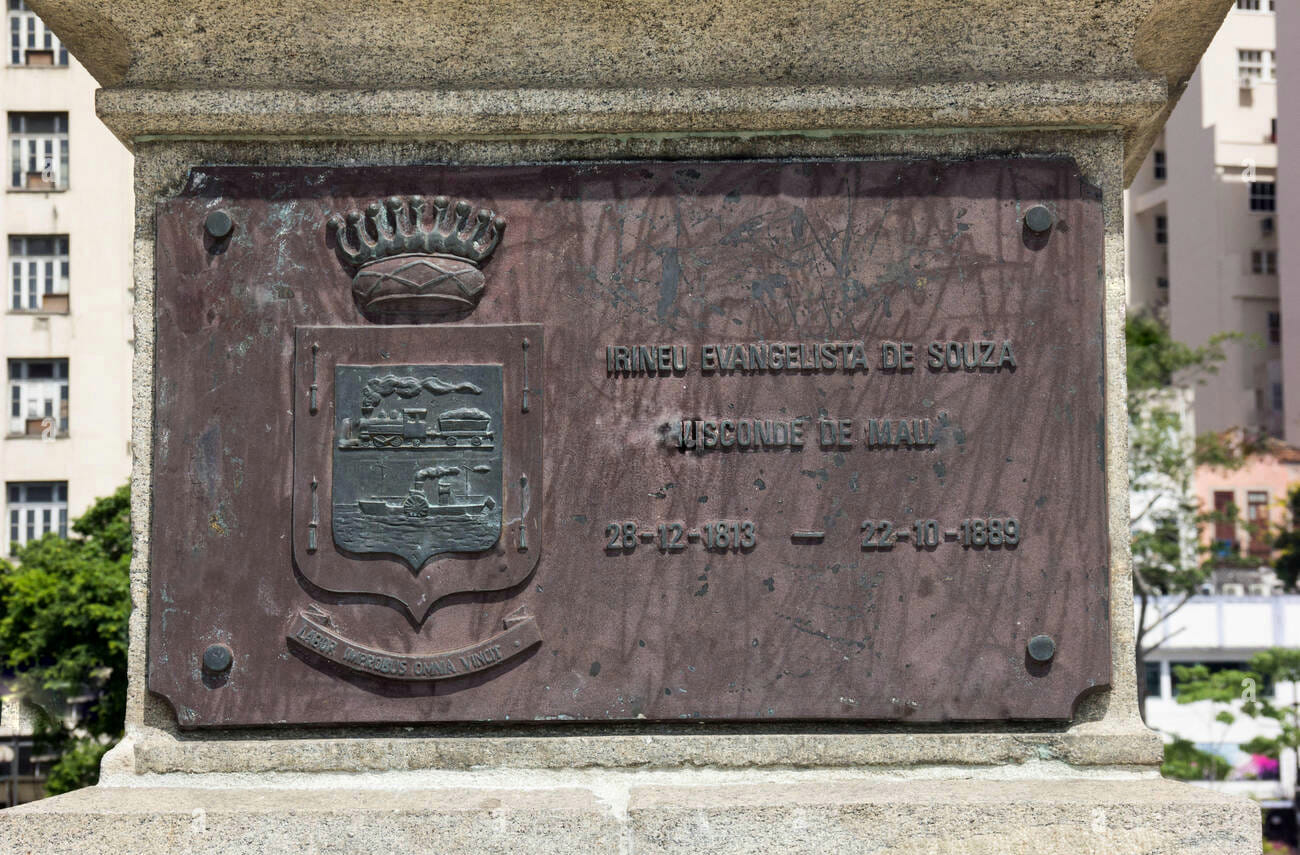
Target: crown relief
417	260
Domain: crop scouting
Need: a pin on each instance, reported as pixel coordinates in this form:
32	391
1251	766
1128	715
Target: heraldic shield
417	459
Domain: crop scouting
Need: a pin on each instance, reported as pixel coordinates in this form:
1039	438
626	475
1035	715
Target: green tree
1185	762
1250	689
64	609
1166	520
1157	361
1288	542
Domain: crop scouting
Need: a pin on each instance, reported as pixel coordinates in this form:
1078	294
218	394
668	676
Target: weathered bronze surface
733	440
417	259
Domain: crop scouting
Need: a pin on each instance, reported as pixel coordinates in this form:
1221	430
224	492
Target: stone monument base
642	812
256	750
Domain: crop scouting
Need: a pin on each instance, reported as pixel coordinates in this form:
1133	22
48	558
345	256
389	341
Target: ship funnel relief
429	431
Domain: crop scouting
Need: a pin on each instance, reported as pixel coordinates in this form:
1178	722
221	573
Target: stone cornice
405	69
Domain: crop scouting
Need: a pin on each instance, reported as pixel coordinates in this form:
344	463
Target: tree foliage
1288	542
64	609
1162	460
1247	690
1157	361
1167	557
78	766
1185	762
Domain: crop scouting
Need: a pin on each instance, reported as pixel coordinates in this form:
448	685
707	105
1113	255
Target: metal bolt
217	658
218	224
1042	648
1038	219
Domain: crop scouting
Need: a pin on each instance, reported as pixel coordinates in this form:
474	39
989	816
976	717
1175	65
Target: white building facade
1221	632
1288	122
66	335
1203	229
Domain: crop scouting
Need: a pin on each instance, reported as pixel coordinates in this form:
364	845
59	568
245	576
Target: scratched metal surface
671	253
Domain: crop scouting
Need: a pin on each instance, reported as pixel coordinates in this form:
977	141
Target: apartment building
1288	204
66	339
1204	235
66	335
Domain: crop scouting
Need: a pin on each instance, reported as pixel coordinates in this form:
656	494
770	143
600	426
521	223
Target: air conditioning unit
1246	82
1266	226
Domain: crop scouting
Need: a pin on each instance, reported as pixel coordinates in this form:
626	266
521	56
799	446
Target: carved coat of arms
417	447
417	465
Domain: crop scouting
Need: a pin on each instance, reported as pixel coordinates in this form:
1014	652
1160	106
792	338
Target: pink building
1211	223
1258	491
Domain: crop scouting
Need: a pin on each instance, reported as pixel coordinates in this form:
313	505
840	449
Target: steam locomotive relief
408	428
417	462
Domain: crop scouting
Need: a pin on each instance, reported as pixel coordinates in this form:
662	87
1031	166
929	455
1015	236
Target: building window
38	151
38	397
1162	283
1250	63
1263	196
1152	677
1257	520
1256	65
30	41
1274	327
1277	397
1162	229
38	267
1225	524
1263	261
1248	5
1158	161
36	509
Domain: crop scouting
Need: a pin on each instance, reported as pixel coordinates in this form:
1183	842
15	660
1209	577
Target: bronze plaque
598	442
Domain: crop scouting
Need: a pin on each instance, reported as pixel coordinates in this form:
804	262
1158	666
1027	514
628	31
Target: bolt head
1042	648
218	658
218	224
1038	219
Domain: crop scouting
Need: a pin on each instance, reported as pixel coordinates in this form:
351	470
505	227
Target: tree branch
1142	581
1164	617
1138	517
1152	649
